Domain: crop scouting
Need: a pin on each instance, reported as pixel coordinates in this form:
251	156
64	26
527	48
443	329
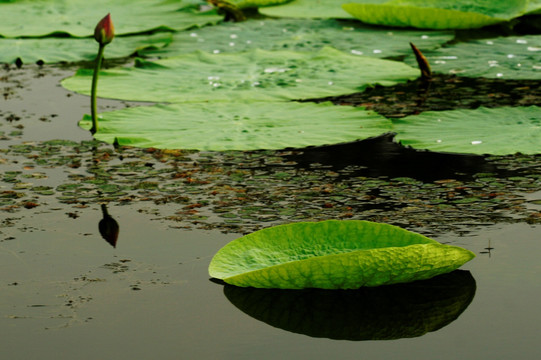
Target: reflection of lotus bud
105	31
108	227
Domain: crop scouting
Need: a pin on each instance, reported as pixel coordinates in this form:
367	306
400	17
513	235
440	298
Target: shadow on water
381	313
381	156
108	227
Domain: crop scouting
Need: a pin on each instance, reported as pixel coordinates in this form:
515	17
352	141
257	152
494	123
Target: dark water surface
66	293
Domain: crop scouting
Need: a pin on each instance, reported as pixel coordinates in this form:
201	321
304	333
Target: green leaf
78	18
500	131
333	255
534	7
322	9
381	313
302	35
222	126
256	75
437	14
51	50
513	57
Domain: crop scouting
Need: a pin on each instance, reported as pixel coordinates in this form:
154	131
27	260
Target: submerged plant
104	34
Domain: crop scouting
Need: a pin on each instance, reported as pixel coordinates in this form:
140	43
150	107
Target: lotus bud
104	31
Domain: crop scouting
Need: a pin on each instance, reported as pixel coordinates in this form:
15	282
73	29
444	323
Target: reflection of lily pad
238	126
302	35
256	75
333	255
499	131
514	57
437	14
51	50
383	313
79	17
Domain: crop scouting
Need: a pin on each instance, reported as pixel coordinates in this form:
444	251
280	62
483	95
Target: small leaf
333	255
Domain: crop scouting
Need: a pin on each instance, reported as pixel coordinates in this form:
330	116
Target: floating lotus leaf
302	35
382	313
504	57
322	9
534	7
51	50
256	75
238	126
500	131
437	14
79	17
333	255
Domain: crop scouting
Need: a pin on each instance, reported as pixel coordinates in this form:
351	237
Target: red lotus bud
105	31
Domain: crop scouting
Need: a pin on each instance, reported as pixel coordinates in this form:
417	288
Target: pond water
66	293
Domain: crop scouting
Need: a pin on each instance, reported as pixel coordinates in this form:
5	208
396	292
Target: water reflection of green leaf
383	313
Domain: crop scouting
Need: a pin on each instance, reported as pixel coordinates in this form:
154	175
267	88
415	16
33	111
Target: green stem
93	109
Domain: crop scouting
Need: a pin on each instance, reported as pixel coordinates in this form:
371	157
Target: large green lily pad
78	18
534	7
222	126
513	57
437	14
52	50
500	131
302	35
333	255
322	9
256	75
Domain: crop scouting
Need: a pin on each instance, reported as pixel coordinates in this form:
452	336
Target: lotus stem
93	107
103	34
